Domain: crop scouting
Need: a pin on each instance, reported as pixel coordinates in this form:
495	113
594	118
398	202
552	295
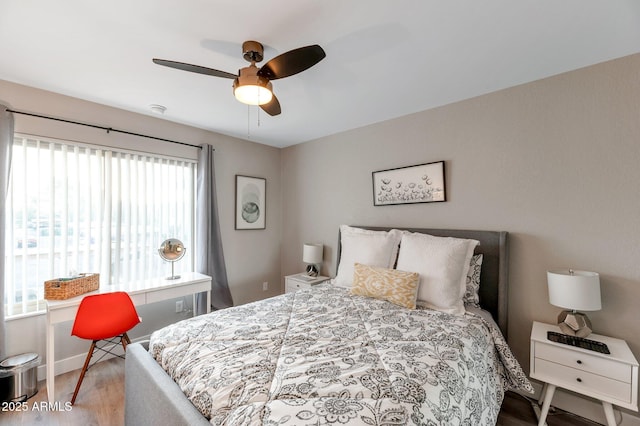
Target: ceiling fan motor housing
252	51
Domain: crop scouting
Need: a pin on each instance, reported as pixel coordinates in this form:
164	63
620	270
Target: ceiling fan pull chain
248	121
258	109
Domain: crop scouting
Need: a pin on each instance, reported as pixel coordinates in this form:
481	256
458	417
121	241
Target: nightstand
611	378
293	283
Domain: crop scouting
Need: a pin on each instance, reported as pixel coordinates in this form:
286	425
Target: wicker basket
66	288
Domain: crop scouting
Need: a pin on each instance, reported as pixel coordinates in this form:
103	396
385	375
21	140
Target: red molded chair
104	317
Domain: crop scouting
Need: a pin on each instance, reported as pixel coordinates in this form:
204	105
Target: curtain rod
107	129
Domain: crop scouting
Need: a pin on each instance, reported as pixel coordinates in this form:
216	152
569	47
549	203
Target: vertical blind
74	208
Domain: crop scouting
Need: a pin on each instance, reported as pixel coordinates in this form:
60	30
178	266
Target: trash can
19	377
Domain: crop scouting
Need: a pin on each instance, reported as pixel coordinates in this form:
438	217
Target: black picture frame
420	183
250	203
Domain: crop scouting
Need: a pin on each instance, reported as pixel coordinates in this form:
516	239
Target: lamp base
312	271
574	323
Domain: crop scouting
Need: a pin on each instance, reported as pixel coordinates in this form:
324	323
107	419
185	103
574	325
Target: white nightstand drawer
582	381
293	283
295	286
584	361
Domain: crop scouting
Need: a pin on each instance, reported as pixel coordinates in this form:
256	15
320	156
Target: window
74	208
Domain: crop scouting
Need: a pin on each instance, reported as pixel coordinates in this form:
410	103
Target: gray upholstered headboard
494	276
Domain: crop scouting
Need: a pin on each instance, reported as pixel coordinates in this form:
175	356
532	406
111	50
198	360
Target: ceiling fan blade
273	107
193	68
292	62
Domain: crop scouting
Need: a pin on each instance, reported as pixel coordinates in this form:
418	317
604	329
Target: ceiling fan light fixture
251	89
253	94
251	85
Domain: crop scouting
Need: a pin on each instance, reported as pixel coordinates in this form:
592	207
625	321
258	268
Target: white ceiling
384	58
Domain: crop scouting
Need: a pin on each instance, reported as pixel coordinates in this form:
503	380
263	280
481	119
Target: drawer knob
579	380
579	362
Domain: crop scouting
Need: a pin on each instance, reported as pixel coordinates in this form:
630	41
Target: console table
141	292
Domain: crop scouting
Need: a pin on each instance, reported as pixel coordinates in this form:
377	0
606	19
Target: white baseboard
75	362
586	407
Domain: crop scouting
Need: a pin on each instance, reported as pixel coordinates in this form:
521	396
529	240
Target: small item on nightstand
307	277
578	342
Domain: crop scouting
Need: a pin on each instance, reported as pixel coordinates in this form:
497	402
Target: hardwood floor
100	402
517	411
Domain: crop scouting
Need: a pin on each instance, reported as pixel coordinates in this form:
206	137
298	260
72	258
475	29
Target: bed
331	355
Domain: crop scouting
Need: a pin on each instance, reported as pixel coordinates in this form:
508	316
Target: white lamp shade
312	253
576	290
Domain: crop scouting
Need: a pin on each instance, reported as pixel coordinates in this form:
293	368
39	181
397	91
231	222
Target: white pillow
373	248
472	293
443	263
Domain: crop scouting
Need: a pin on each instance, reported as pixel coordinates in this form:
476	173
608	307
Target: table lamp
574	290
312	256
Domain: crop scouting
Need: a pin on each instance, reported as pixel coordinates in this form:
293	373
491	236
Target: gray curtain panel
6	142
209	254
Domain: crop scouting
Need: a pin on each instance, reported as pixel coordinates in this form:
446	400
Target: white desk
141	292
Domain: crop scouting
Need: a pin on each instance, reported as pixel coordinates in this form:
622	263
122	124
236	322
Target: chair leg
84	370
124	339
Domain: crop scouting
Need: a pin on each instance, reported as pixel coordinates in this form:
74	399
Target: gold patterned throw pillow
392	285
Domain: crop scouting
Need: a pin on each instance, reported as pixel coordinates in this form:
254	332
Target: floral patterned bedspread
323	356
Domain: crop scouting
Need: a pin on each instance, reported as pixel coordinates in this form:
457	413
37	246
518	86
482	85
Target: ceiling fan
252	85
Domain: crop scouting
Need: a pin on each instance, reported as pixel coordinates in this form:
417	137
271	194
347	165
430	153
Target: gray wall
553	162
252	257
